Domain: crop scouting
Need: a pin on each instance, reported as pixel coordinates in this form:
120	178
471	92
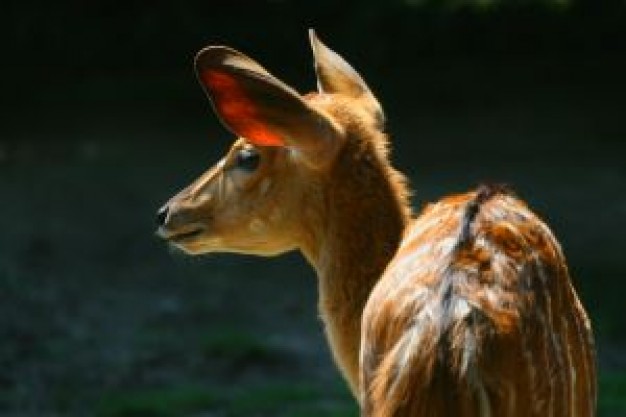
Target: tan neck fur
357	229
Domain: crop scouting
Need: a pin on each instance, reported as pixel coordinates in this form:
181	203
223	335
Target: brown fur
492	327
467	310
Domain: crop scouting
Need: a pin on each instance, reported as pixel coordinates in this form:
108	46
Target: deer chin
198	244
206	244
198	240
189	239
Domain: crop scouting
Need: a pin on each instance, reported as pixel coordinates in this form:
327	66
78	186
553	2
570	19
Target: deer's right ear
257	106
335	75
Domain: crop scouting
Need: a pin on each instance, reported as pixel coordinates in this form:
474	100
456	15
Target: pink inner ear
236	108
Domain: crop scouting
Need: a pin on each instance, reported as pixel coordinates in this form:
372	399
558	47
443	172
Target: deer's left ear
255	105
336	76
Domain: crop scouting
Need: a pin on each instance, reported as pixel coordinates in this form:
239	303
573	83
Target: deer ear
257	106
336	76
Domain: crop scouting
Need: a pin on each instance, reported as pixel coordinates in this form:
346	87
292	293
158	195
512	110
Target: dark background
102	120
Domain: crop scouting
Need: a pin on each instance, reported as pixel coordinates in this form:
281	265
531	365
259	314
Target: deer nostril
161	216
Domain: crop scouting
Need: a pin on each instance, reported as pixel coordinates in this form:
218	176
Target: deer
465	309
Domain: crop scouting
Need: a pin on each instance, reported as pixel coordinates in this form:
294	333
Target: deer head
255	198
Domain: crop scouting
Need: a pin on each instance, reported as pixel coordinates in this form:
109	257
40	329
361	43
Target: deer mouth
181	237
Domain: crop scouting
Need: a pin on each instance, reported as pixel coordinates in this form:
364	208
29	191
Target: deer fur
464	310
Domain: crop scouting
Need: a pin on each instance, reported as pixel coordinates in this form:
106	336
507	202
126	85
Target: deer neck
359	227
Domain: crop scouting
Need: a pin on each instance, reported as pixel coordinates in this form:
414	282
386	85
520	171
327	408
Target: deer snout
161	215
178	220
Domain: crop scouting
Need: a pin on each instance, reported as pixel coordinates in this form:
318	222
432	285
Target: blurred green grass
284	399
612	401
236	345
157	402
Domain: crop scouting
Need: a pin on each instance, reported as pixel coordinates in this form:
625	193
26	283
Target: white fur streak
571	369
532	372
549	336
549	365
408	345
483	401
475	381
584	340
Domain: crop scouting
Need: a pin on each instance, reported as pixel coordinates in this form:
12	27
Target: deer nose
161	216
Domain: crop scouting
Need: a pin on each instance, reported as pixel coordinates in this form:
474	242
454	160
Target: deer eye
247	159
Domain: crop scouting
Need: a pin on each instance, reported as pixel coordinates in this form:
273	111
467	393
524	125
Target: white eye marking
257	226
265	186
276	215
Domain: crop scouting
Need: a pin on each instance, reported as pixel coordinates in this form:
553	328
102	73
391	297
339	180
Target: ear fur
257	106
336	76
